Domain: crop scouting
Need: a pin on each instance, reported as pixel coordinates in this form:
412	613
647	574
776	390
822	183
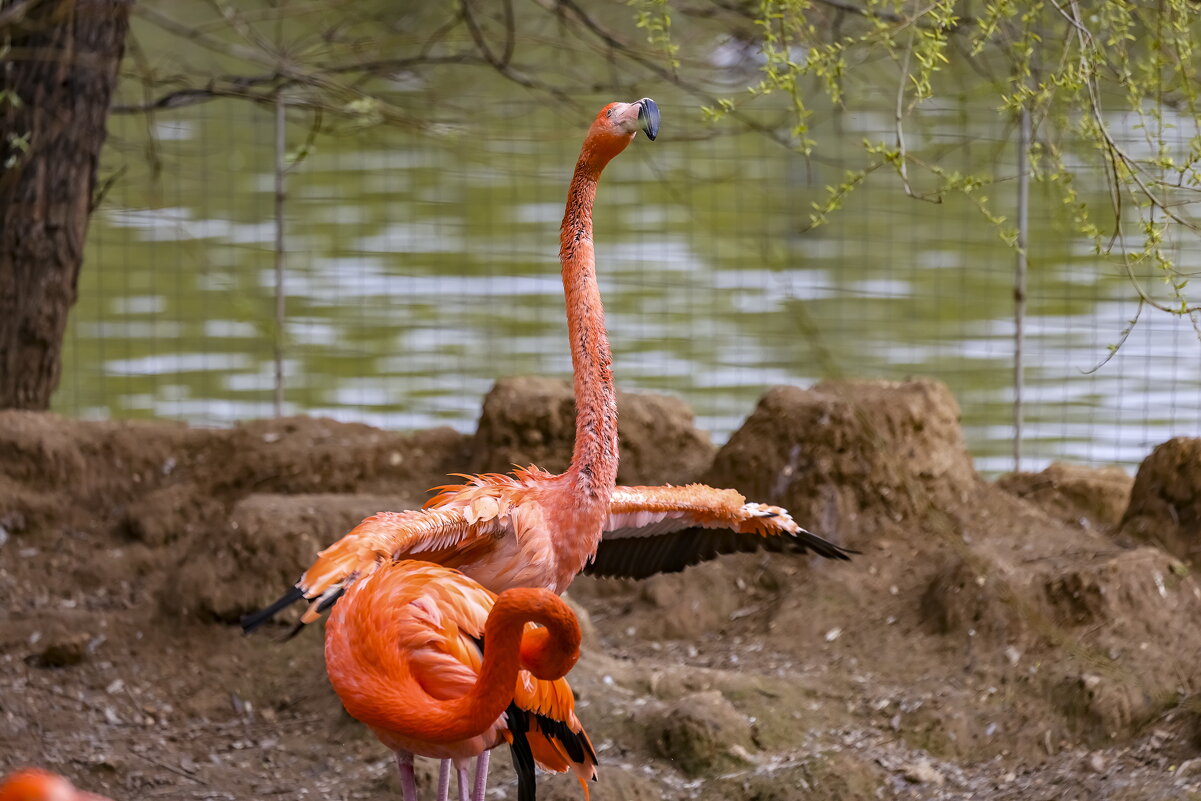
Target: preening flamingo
531	528
429	660
32	784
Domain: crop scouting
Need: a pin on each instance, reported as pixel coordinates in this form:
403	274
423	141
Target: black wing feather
255	619
321	609
640	557
523	756
577	745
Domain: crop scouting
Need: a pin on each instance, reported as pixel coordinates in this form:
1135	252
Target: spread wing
448	535
666	529
458	525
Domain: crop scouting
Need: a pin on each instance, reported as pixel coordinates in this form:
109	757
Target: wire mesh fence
421	266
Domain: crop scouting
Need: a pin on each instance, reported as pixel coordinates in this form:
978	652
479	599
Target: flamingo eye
609	112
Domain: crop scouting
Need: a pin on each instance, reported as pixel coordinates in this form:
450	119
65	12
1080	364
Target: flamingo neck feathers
593	471
395	701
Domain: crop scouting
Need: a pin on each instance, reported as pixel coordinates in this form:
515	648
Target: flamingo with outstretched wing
531	528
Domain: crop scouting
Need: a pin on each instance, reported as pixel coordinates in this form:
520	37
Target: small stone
922	772
833	634
60	654
739	752
1012	655
1189	767
115	686
1096	762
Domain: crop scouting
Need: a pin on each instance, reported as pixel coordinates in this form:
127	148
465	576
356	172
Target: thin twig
899	119
621	47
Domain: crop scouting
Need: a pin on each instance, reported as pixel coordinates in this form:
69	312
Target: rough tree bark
58	67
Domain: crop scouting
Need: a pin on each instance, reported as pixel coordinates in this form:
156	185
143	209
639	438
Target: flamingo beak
648	116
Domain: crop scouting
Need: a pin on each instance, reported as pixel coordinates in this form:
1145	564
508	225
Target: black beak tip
648	115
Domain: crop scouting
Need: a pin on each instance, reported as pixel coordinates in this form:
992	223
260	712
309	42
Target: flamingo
429	660
531	528
32	784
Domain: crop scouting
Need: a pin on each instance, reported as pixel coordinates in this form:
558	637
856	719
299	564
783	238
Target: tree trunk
58	67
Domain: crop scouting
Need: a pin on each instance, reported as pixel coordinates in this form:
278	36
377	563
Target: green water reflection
422	267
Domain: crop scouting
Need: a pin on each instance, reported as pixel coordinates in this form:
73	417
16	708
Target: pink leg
481	777
408	782
443	780
463	785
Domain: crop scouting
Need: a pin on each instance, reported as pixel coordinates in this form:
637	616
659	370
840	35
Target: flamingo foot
481	776
408	781
443	780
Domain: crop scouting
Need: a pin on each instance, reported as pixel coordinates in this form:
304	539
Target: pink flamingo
531	528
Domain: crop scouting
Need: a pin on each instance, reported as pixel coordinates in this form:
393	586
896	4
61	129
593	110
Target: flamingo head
618	123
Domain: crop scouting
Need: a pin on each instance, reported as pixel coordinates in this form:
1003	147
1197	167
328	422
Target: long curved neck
593	471
405	708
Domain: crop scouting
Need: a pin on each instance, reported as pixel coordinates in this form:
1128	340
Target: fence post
1019	281
281	143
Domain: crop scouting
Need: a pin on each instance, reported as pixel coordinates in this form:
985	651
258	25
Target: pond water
421	267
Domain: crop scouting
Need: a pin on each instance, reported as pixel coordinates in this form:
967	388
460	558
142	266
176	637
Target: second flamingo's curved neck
399	704
593	471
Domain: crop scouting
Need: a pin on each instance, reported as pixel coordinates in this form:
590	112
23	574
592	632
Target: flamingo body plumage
438	666
33	784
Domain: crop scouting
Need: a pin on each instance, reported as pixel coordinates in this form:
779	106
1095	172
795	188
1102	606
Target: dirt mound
1165	503
1086	496
157	479
261	549
847	454
531	420
1113	628
295	455
55	471
968	594
701	733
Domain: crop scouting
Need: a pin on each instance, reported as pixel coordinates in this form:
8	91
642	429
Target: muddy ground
1032	638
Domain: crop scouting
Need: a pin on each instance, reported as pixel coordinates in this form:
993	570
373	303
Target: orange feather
403	651
32	784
